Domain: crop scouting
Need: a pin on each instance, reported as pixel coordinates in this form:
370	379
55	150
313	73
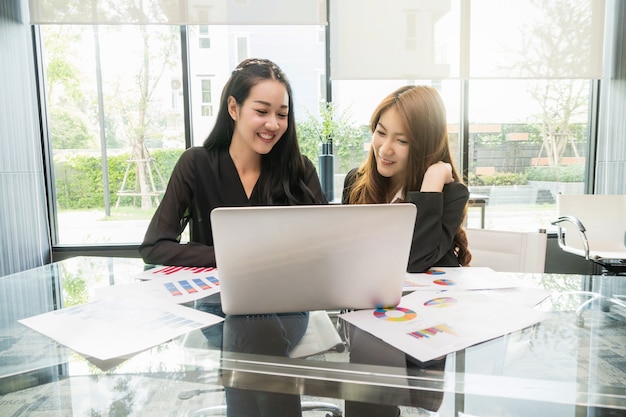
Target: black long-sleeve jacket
201	181
439	216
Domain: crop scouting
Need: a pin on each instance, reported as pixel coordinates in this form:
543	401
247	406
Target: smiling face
391	146
261	119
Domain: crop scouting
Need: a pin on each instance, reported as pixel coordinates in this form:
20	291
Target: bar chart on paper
171	284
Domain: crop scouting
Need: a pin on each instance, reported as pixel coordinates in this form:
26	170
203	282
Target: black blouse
201	181
439	216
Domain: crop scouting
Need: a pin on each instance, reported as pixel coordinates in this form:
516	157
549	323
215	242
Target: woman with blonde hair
410	161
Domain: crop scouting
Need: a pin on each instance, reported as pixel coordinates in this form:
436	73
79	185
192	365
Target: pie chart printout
444	282
395	314
440	302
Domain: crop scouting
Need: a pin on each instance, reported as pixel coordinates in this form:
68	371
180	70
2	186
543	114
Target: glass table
571	364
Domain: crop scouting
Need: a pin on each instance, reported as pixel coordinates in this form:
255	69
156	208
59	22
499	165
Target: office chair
593	226
596	226
507	251
320	336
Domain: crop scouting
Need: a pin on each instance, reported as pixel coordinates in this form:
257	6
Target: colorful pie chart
395	314
444	282
435	272
440	302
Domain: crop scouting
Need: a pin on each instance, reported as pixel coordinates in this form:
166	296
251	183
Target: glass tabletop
570	364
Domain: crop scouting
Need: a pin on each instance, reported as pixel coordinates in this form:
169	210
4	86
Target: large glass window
526	67
115	103
519	73
116	126
528	142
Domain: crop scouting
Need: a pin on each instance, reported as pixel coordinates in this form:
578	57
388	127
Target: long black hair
282	169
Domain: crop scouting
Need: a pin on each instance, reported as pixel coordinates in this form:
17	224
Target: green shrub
78	178
505	178
563	173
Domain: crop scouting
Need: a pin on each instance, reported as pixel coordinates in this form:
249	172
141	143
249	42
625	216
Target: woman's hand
436	176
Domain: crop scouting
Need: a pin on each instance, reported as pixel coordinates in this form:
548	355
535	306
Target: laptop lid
280	259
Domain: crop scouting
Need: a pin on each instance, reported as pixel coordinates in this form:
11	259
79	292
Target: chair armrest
571	219
581	232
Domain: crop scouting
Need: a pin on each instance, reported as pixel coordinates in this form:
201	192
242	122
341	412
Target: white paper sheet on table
168	284
459	278
429	324
117	327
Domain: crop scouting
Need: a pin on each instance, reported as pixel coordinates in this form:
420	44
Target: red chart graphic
445	282
435	272
169	270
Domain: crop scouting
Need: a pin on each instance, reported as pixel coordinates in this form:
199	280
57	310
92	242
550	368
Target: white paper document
459	278
118	327
178	287
430	324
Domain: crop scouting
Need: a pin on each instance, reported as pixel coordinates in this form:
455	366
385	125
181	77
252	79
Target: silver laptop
301	258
